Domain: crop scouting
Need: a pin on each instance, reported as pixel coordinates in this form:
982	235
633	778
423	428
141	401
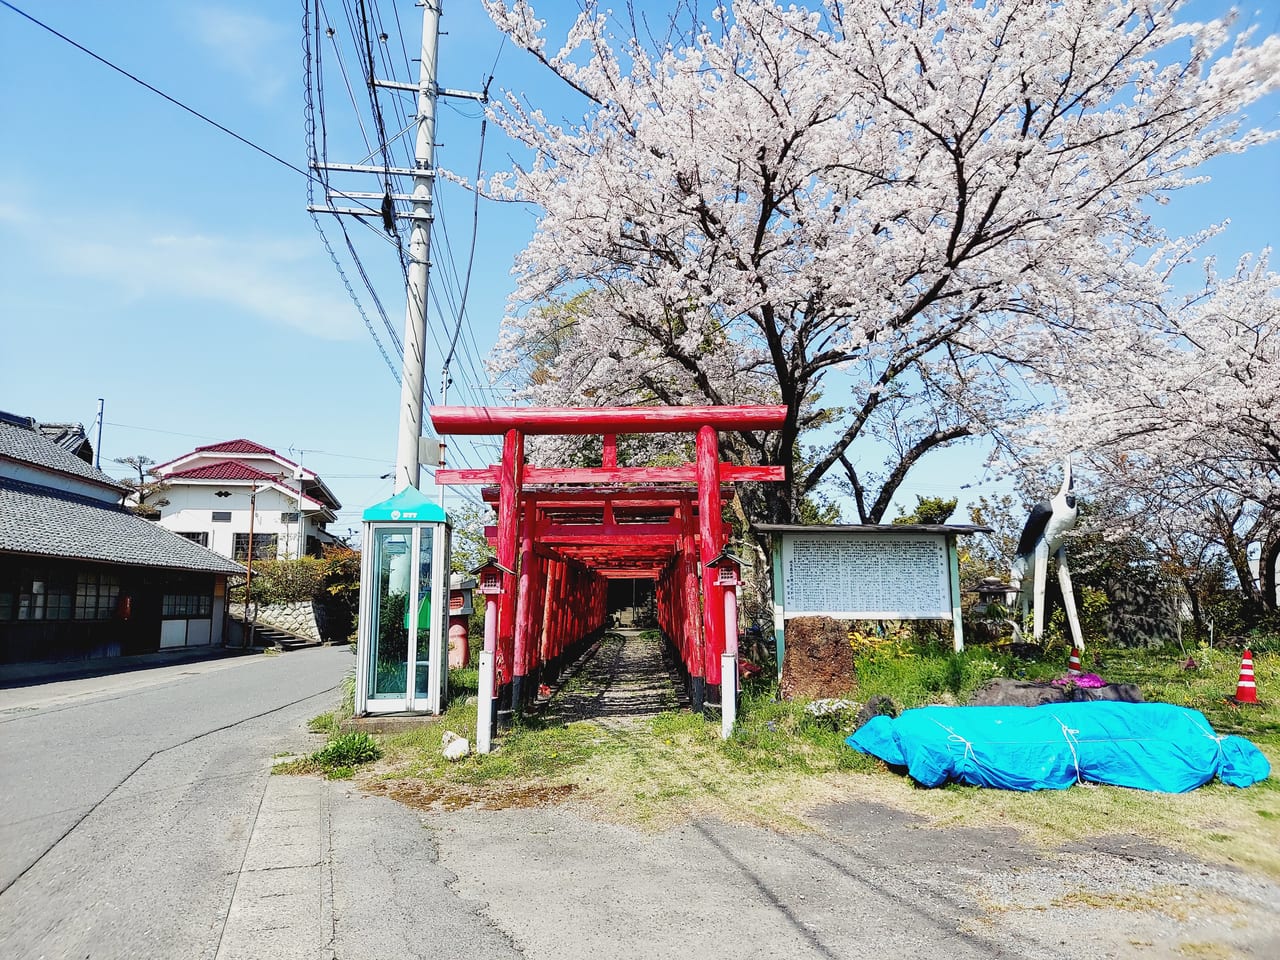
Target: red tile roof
223	470
236	446
234	470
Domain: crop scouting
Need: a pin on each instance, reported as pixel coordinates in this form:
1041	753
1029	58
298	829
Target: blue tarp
1148	746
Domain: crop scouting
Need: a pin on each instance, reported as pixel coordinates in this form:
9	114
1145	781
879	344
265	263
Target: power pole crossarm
408	467
366	168
440	91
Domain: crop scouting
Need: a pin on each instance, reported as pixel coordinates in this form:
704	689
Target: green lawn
782	762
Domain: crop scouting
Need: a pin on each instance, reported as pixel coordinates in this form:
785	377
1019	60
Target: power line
310	111
177	103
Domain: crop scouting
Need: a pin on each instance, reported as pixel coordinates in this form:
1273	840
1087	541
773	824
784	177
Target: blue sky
156	262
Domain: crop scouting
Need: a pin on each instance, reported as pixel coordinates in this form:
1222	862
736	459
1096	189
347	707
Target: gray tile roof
70	437
27	445
52	523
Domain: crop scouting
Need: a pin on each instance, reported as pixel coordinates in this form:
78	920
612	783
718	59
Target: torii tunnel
564	532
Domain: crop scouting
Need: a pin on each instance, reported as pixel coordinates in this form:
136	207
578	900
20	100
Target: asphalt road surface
138	819
127	801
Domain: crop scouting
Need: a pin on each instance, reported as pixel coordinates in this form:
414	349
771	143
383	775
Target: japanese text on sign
853	576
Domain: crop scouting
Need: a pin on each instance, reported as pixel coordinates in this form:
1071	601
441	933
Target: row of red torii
563	532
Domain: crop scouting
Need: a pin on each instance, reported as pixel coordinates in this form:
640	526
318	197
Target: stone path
282	906
626	679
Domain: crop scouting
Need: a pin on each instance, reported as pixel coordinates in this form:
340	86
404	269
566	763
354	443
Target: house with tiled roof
81	576
221	494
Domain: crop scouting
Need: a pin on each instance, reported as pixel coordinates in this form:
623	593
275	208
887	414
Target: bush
285	581
347	750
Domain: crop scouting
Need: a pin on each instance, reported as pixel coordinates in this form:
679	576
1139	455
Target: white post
484	705
484	696
1069	599
729	665
301	534
1038	583
408	468
957	621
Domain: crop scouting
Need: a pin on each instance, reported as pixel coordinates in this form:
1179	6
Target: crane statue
1046	527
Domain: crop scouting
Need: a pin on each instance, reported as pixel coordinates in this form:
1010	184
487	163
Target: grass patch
330	723
338	758
326	723
463	682
348	750
783	761
1178	903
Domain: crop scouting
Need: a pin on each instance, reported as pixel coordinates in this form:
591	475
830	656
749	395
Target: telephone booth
401	644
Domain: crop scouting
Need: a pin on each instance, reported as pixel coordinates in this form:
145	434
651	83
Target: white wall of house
25	473
191	509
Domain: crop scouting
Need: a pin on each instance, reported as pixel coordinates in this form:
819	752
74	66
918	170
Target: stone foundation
303	619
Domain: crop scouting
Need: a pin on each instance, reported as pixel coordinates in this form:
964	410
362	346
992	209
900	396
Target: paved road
127	802
138	819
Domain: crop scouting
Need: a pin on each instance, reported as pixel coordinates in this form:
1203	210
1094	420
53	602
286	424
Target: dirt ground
852	878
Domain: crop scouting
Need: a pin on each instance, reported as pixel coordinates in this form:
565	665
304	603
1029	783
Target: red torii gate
566	530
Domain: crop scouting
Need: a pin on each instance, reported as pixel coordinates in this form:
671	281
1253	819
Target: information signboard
863	576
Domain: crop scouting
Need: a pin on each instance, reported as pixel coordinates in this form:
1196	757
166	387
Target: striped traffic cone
1073	664
1246	689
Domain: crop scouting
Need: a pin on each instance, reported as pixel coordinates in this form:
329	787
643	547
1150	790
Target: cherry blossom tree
1188	426
885	216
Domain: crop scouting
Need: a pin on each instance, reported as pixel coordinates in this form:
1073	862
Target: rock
1118	692
818	661
453	746
1003	692
1020	693
877	706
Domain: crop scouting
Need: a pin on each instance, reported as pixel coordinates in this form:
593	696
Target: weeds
326	723
785	757
339	757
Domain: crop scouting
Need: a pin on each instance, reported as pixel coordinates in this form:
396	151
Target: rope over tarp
1146	746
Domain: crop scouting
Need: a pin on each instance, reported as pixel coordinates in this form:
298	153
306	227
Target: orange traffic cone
1246	689
1073	665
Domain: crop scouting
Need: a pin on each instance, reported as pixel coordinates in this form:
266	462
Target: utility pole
408	467
248	570
301	484
97	444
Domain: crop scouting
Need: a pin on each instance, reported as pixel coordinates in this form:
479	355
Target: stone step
283	640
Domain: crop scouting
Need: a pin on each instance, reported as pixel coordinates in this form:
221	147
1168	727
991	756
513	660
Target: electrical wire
447	294
160	93
309	114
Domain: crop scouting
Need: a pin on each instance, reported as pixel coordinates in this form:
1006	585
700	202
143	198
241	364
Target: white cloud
285	282
247	46
267	280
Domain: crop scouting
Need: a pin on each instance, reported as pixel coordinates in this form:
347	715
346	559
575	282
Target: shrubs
347	750
332	579
287	581
339	757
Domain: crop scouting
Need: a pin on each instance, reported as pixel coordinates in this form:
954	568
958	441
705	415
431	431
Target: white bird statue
1046	528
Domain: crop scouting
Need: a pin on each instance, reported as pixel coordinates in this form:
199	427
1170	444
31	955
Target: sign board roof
885	528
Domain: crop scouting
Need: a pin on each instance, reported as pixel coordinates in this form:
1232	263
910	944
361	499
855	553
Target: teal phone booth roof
410	505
